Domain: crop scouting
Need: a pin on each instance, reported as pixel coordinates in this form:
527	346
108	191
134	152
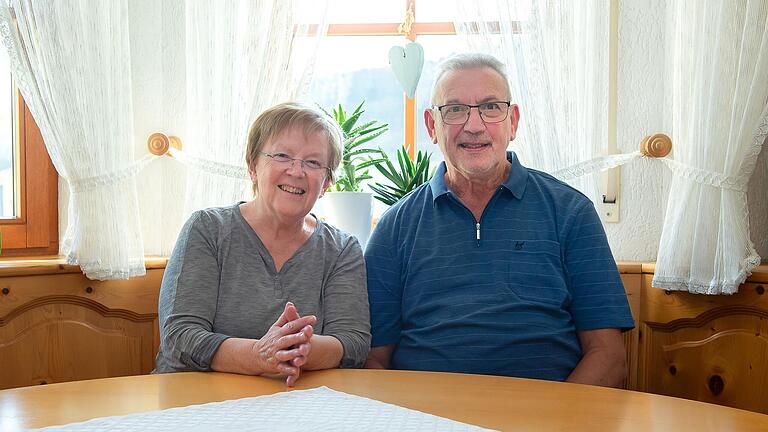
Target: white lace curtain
556	55
241	59
719	88
71	61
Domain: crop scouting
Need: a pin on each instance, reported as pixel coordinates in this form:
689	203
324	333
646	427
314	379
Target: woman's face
290	189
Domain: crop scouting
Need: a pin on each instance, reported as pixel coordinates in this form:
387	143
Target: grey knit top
221	282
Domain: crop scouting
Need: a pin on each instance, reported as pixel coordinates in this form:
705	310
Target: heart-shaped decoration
407	63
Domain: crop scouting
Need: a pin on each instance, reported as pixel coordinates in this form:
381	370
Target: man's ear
429	121
514	118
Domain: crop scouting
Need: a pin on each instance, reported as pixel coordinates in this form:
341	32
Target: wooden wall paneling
632	285
707	348
137	294
64	327
56	325
59	340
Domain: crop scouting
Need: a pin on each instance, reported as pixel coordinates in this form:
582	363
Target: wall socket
609	212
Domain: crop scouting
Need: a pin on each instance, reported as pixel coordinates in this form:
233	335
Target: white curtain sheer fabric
719	88
71	61
241	59
556	55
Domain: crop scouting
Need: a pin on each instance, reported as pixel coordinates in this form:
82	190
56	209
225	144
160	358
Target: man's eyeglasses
490	112
309	166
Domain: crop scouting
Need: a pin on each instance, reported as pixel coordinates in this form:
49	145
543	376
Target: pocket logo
519	245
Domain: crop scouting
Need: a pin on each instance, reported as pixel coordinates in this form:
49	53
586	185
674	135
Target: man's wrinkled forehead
440	92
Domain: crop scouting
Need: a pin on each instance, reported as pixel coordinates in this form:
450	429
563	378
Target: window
7	165
362	73
352	66
28	181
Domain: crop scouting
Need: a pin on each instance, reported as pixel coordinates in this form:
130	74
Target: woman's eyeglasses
309	166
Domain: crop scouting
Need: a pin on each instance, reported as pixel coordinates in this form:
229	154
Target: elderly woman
239	275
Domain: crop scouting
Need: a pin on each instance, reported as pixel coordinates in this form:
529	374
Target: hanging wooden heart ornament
407	63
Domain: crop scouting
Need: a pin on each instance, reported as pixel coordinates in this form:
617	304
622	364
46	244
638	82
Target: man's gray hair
468	61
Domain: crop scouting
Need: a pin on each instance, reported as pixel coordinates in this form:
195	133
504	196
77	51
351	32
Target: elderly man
492	267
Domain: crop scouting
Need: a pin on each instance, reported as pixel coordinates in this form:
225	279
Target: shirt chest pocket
535	272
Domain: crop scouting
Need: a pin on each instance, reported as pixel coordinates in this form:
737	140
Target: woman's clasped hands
285	347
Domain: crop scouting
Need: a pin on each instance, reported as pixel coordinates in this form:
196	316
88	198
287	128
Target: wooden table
492	402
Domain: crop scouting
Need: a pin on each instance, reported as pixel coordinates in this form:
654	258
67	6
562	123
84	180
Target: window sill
52	264
759	273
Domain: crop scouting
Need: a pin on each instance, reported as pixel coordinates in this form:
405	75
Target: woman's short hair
279	118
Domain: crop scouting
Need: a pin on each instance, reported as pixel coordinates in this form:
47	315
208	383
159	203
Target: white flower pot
349	211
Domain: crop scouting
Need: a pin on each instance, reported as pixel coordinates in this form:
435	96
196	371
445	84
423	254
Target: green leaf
370	150
363	151
359	107
390	173
382	195
403	169
356	133
360	128
325	111
406	176
368	163
368	138
349	123
367	128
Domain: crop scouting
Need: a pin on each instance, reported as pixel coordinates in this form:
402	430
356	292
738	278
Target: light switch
609	190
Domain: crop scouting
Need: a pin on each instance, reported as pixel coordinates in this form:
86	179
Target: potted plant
408	177
354	164
345	204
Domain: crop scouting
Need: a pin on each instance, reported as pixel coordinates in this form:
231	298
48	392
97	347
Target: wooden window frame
35	229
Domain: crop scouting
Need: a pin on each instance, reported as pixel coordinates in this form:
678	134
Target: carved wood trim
714	337
77	301
708	316
113	332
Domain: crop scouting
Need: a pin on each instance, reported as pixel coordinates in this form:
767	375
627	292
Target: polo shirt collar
515	182
437	183
518	176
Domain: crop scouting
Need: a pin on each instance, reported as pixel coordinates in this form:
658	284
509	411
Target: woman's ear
326	185
252	172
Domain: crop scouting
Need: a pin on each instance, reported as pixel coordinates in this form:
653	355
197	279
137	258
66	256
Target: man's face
475	149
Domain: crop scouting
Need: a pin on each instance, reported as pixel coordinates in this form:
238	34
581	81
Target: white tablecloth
319	409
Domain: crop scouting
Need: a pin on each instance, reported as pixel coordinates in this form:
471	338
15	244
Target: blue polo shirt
505	295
